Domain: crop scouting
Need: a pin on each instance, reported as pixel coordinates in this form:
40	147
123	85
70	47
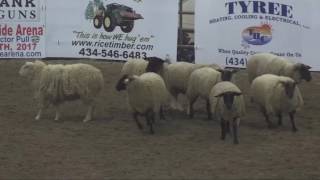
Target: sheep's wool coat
268	91
267	63
134	67
218	107
60	82
147	91
201	82
177	75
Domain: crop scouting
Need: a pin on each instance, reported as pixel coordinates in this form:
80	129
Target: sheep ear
126	81
283	83
235	70
130	78
286	83
237	93
298	66
122	82
219	95
154	64
306	66
220	70
154	58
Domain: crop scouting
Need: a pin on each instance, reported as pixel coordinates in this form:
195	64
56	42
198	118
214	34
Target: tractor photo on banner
111	29
113	15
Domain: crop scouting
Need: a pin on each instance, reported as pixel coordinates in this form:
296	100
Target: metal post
180	22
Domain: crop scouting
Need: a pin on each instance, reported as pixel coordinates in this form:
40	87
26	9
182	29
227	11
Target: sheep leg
228	127
209	109
89	114
135	117
38	116
57	117
174	101
190	107
264	112
279	119
235	128
43	105
150	120
294	128
270	125
223	129
161	113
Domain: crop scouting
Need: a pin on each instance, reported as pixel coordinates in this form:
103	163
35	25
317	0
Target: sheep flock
152	86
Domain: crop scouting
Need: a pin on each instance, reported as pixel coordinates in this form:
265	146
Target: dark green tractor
115	15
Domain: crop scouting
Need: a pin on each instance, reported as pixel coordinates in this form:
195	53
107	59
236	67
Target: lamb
227	104
267	63
276	95
147	94
201	82
55	84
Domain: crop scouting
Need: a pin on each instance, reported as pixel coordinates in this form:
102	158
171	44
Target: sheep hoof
209	118
180	108
140	127
271	126
294	130
86	120
177	106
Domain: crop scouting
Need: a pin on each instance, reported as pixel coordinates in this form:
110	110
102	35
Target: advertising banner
227	32
22	29
110	29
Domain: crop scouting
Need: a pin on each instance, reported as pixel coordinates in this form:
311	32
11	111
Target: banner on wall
22	29
227	32
110	29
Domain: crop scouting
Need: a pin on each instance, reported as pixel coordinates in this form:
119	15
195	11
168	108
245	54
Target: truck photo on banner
110	29
22	29
229	32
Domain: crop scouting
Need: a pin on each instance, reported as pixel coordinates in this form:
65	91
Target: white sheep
55	84
177	76
200	84
267	63
140	66
227	104
134	67
147	94
276	95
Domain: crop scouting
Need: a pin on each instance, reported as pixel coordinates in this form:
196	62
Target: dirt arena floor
111	146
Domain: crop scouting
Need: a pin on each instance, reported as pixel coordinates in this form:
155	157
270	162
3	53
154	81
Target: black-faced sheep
267	63
227	104
177	76
200	84
140	66
147	94
276	95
